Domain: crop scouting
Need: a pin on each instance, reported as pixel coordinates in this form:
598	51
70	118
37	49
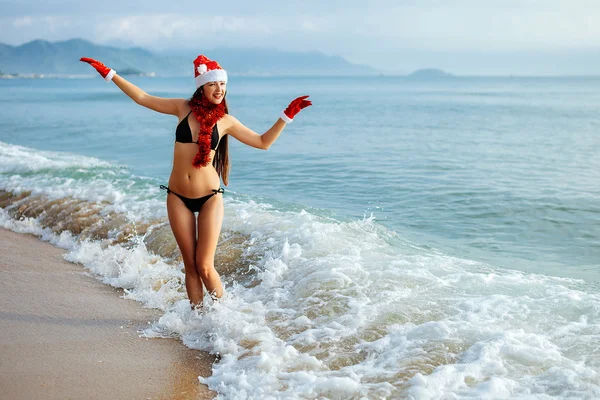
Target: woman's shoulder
228	121
229	118
183	108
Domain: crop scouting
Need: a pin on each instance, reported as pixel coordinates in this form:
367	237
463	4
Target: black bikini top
183	133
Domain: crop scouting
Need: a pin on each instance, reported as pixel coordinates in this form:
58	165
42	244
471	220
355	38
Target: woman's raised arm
159	104
264	141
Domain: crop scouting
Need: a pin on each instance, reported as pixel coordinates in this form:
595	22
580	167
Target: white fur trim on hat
216	75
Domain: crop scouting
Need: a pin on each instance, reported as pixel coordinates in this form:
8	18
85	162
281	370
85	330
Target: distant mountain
261	61
43	57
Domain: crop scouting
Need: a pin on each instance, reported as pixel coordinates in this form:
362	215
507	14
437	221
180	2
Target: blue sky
461	36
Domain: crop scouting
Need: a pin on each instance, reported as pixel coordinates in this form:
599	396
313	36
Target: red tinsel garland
207	114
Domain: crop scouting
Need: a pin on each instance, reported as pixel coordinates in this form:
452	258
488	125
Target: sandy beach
66	335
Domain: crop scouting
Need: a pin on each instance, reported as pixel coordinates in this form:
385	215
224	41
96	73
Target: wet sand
65	335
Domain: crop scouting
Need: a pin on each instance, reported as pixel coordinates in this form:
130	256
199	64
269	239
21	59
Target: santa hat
206	71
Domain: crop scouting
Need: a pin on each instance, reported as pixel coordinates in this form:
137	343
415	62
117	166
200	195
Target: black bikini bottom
194	205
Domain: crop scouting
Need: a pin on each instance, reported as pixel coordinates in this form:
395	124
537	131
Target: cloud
22	22
436	25
311	25
480	27
180	30
378	34
27	27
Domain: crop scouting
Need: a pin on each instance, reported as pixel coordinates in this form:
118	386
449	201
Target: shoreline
67	335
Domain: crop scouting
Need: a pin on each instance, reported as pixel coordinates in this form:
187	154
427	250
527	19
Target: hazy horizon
462	37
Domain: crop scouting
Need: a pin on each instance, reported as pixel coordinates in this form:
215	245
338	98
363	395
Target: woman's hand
294	108
102	69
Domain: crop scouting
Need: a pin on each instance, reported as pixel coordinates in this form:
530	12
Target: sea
402	238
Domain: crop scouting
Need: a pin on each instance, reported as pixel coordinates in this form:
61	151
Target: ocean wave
316	307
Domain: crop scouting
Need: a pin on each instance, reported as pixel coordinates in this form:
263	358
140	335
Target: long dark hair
221	158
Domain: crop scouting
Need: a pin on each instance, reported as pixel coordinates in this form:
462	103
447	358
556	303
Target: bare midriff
188	180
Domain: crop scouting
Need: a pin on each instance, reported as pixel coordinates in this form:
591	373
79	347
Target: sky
472	37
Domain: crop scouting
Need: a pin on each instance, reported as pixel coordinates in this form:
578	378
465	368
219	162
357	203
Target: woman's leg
210	219
183	225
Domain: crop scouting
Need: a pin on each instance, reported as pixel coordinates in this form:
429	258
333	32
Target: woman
200	158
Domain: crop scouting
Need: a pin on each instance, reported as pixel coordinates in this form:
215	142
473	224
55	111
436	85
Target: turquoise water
501	170
401	239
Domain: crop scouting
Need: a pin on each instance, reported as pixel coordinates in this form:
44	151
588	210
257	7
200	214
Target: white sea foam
339	312
59	175
18	159
350	310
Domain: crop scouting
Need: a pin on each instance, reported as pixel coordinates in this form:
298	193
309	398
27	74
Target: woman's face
215	91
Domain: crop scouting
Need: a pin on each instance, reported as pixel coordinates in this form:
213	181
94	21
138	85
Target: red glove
102	69
294	108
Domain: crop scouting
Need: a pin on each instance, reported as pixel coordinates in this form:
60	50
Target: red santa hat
206	70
